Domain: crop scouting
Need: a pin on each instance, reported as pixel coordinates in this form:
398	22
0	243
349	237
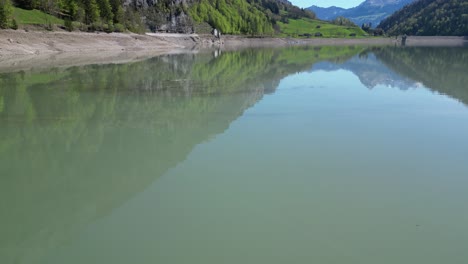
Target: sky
326	3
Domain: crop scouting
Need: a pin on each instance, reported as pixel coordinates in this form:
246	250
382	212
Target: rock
175	21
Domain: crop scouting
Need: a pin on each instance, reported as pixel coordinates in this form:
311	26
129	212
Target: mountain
369	11
327	13
429	18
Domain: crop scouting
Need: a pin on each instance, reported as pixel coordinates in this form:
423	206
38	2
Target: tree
117	10
14	24
6	11
91	11
49	7
378	32
429	17
343	21
26	4
80	16
71	8
366	27
105	9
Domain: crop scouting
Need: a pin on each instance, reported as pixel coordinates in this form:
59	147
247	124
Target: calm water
299	155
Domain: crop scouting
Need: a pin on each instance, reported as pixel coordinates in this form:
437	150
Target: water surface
297	155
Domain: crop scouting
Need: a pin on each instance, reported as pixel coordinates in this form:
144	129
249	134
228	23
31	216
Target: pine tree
26	4
71	9
117	10
91	11
105	11
6	11
14	24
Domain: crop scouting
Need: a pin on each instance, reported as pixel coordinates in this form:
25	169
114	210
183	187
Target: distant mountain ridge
369	11
327	13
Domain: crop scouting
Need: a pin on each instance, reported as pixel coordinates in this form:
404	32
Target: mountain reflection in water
77	143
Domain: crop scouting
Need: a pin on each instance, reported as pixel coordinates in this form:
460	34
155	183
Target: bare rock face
140	4
171	18
180	23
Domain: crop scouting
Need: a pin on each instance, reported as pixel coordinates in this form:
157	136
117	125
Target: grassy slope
306	25
34	17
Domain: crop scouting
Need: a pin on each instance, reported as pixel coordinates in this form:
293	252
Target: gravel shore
24	50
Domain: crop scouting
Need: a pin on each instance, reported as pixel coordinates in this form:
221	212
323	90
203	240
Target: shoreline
412	41
21	50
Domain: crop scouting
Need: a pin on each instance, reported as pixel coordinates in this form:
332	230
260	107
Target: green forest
247	17
232	16
429	18
105	15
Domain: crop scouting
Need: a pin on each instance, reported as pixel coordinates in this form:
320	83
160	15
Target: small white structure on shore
217	33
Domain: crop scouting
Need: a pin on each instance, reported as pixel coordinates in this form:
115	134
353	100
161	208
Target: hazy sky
326	3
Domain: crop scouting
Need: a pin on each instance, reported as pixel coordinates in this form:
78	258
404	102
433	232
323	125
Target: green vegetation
248	17
233	18
429	18
34	17
310	28
5	13
87	14
343	21
256	17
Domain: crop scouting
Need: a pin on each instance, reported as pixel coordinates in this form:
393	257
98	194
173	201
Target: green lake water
298	155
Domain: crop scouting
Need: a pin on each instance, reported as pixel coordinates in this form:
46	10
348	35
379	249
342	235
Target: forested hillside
256	17
246	17
430	18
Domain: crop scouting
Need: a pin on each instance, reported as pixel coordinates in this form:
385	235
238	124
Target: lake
295	155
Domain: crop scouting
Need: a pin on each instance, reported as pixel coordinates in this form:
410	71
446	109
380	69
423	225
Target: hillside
255	17
430	18
370	11
245	17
